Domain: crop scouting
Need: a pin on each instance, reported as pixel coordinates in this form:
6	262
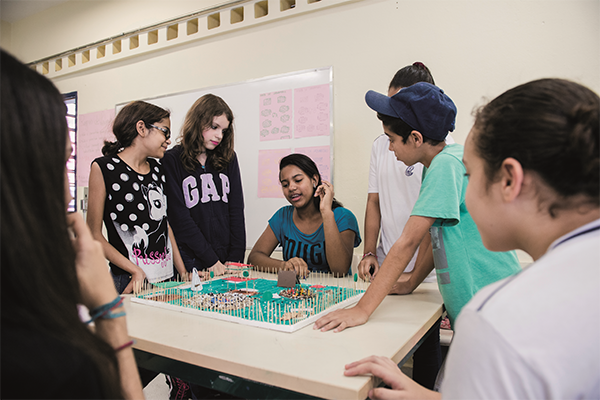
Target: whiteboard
244	100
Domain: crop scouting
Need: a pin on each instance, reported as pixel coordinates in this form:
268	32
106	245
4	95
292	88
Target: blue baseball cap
423	106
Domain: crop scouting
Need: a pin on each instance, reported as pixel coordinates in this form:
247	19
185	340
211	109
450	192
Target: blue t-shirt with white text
309	247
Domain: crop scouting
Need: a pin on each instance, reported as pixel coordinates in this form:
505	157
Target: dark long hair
308	166
124	126
551	127
40	290
199	117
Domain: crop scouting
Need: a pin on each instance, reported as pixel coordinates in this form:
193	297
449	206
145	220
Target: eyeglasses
165	131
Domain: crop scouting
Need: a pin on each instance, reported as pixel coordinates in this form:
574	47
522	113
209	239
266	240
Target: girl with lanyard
533	163
316	232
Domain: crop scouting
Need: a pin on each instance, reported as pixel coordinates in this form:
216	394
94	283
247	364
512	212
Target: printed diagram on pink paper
268	172
311	111
321	156
300	118
93	129
276	115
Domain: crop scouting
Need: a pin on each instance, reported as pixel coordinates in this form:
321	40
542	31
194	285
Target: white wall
476	49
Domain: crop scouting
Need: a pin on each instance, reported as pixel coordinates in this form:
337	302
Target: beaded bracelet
124	346
105	311
367	255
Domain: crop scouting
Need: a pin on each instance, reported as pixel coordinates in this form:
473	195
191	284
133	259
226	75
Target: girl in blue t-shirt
316	232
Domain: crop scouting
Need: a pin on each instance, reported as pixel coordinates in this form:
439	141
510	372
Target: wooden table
252	362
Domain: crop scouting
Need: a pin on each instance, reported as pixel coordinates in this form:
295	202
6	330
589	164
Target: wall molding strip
203	24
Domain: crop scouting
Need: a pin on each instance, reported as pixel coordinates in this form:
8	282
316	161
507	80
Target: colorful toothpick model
263	305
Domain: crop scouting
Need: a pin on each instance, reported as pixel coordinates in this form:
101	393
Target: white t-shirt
535	335
398	187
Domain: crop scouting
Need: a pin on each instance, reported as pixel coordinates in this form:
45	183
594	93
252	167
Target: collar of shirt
582	230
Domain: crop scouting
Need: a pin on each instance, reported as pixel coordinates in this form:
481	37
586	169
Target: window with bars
71	103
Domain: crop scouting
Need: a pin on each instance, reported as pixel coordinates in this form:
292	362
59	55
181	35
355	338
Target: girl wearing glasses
204	188
126	192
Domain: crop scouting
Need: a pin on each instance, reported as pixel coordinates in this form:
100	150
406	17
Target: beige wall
475	49
5	34
76	23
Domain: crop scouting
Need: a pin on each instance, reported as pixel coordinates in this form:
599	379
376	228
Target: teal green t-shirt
463	265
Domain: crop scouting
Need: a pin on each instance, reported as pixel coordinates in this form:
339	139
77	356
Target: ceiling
15	10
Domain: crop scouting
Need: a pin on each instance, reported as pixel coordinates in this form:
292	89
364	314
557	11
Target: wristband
105	311
367	255
124	346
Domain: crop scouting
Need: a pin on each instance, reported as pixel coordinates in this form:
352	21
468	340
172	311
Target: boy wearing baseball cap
417	120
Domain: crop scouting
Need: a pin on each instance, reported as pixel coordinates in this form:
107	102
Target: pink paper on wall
268	172
92	130
311	111
276	115
321	156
